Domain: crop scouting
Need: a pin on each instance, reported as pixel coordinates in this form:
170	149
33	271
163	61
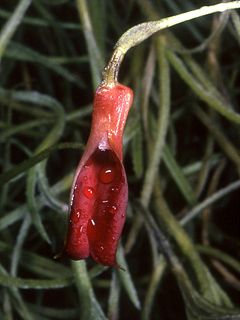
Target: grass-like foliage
180	245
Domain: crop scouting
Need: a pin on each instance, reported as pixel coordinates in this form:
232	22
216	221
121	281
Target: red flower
100	191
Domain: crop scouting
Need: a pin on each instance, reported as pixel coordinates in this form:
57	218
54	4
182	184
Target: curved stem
110	73
141	32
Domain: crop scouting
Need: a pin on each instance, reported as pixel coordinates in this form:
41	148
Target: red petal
99	193
98	208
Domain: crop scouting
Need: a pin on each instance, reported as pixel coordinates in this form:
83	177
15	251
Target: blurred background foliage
181	243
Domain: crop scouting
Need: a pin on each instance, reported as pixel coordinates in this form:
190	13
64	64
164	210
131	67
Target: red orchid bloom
100	191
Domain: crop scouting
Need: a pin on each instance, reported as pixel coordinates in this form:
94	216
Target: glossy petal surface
100	191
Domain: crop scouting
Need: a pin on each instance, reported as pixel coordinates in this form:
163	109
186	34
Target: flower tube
100	192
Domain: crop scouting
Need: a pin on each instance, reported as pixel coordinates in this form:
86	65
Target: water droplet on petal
93	222
75	216
114	189
112	209
71	203
88	192
81	229
104	201
107	175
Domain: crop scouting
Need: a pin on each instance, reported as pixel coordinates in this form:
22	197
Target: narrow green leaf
33	21
126	279
207	96
29	163
220	255
98	16
137	153
210	200
9	281
20	52
114	295
178	176
154	283
32	203
22	128
38	264
11	25
90	308
162	124
53	313
96	60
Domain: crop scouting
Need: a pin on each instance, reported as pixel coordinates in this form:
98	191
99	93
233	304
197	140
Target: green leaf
17	51
9	281
90	308
38	264
178	176
137	153
29	163
11	25
126	279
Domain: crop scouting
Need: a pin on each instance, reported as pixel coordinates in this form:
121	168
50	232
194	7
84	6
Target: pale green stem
90	310
141	32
